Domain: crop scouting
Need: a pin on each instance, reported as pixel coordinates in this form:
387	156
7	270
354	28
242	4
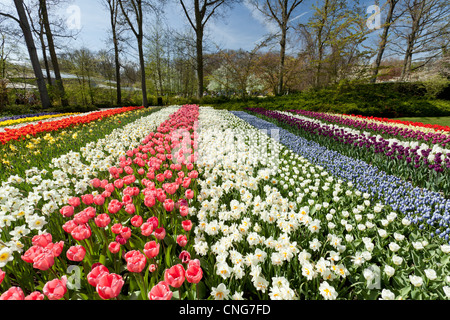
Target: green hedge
381	100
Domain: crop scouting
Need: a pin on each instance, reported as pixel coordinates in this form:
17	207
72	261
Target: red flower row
436	127
49	126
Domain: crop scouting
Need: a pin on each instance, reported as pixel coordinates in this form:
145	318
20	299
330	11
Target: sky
241	27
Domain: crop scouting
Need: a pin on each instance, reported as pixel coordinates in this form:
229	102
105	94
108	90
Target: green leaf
168	257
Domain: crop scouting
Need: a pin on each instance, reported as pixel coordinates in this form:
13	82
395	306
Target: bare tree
22	20
198	14
423	32
114	10
133	12
390	19
279	11
51	48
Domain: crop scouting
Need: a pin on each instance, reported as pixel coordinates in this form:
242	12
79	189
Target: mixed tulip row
16	157
32	129
15	120
401	123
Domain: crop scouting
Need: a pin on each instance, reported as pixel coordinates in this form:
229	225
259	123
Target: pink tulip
81	218
81	232
184	256
136	261
181	240
125	233
161	291
136	221
87	199
151	249
13	293
44	260
67	211
109	285
42	240
102	220
32	253
114	247
175	276
194	272
95	274
55	248
69	226
55	289
35	295
74	201
96	183
184	211
154	221
160	233
99	200
116	228
187	225
130	208
2	275
168	205
189	194
146	229
76	253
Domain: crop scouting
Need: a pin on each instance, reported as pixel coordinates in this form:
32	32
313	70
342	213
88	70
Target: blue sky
242	27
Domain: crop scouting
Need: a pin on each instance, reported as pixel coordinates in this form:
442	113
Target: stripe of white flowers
71	173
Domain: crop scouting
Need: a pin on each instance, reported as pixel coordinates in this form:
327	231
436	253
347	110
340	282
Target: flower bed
16	157
429	210
14	120
196	203
50	126
423	166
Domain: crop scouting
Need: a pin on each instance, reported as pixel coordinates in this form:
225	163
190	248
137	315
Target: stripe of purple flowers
380	145
429	210
396	132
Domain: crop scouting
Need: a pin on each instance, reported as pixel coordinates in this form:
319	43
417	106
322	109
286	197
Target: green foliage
381	100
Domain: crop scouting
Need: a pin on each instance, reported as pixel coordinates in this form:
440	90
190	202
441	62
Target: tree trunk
51	49
282	59
44	54
199	48
113	15
383	41
25	26
143	78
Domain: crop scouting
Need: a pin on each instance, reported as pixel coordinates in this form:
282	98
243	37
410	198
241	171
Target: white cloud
269	25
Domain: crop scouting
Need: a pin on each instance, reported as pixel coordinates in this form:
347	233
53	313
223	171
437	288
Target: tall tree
423	32
279	11
390	19
133	12
51	48
22	20
198	14
114	18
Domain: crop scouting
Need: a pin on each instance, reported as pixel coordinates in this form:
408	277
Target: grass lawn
442	121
